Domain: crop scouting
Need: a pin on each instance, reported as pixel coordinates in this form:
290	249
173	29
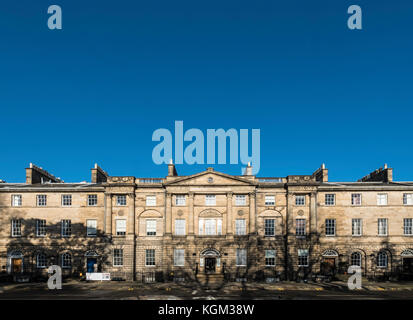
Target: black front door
408	265
209	265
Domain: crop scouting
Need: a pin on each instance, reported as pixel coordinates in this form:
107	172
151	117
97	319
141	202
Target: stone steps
211	280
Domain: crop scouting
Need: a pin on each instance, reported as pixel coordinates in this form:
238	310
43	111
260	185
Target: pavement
113	290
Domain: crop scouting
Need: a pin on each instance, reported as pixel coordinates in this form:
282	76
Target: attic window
210	180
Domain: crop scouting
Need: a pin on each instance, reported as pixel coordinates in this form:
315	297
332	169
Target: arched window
66	260
382	259
356	259
41	260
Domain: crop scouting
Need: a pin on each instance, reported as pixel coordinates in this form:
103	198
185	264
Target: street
231	291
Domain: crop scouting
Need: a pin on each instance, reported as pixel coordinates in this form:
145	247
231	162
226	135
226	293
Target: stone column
168	214
191	221
131	215
108	220
229	214
252	212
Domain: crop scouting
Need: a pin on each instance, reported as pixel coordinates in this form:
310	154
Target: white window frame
117	257
408	226
150	227
150	258
241	257
66	257
300	200
16	228
408	199
66	228
380	225
92	200
180	200
382	257
355	196
330	199
43	260
180	227
17	197
120	229
210	200
179	257
269	200
356	227
91	224
40	227
353	259
240	200
66	200
267	228
151	201
41	200
303	253
300	227
240	227
121	200
205	225
270	254
382	199
330	224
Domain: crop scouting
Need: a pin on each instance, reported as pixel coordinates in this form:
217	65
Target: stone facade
209	224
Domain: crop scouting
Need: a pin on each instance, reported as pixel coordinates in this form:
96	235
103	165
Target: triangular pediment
211	178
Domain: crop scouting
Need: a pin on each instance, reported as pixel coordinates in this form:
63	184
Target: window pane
330	199
269	227
91	227
180	227
120	227
240	200
179	257
269	200
150	201
240	227
151	227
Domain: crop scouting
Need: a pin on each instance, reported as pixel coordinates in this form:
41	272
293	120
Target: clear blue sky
96	90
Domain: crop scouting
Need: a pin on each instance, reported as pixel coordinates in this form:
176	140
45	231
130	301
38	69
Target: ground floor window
179	257
270	258
382	260
241	258
150	257
356	259
302	257
41	260
408	226
117	257
66	260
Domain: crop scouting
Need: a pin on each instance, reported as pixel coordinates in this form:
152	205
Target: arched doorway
407	261
91	261
328	263
210	260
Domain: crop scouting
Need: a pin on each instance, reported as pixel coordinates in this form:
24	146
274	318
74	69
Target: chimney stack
384	174
171	169
321	174
35	174
248	170
98	174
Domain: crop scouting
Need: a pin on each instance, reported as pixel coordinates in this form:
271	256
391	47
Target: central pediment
211	178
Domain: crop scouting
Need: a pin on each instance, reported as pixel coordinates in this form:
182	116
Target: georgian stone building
206	226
